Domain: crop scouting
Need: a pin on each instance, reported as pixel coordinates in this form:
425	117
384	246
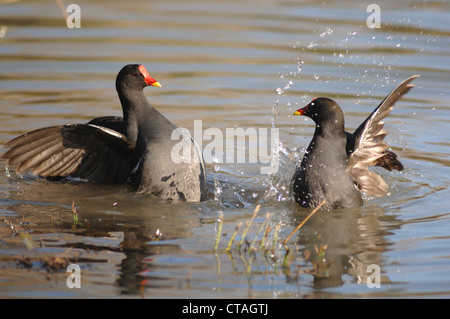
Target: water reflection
135	249
335	248
354	240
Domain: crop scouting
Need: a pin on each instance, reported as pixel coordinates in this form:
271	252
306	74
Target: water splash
312	45
7	172
328	31
217	187
287	86
278	182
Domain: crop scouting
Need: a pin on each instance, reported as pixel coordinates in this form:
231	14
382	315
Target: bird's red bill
301	111
148	79
304	110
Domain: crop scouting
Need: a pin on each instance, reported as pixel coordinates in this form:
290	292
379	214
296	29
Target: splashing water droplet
217	190
8	174
327	32
312	45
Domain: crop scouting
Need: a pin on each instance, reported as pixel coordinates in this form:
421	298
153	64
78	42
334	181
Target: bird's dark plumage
136	149
336	165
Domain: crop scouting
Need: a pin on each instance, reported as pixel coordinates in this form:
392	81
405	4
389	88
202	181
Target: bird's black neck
134	106
142	120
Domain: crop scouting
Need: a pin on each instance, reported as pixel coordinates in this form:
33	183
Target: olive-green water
230	64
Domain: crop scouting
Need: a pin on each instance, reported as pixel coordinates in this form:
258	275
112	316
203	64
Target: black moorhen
135	149
335	165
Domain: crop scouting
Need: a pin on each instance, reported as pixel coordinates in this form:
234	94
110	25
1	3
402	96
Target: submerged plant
75	216
266	243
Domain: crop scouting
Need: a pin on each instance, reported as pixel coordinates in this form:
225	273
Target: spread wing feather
88	151
366	146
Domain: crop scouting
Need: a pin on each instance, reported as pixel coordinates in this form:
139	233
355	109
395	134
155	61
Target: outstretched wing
88	151
366	146
112	122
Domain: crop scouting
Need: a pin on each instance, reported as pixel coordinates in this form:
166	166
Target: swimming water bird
335	167
135	149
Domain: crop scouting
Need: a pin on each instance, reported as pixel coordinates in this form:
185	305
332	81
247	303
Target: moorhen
135	149
335	167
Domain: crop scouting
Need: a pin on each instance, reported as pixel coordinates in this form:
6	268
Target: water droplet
312	45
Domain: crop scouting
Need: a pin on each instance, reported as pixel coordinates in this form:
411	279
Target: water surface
231	64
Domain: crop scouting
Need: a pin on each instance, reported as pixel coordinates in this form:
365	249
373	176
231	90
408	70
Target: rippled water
231	64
